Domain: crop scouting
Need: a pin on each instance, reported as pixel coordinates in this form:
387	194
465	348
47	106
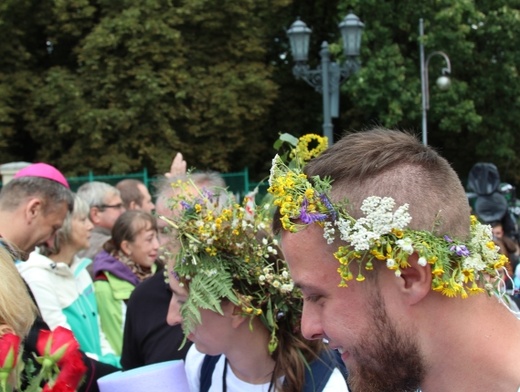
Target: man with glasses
106	206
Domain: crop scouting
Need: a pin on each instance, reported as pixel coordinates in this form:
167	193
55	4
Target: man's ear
94	215
416	280
33	208
133	206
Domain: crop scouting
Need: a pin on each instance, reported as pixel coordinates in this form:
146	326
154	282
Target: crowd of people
362	270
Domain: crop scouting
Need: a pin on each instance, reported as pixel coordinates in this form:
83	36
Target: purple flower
186	205
325	200
207	193
448	238
460	250
310	217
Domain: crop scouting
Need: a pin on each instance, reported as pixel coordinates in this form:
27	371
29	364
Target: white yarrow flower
405	244
273	170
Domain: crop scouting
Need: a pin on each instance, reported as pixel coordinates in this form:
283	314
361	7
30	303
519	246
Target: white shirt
193	363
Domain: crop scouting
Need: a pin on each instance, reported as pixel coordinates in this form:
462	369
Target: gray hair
64	234
95	192
208	179
16	191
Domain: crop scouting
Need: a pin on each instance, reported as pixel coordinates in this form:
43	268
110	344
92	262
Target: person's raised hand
178	167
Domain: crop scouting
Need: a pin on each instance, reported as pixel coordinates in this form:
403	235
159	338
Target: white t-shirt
193	363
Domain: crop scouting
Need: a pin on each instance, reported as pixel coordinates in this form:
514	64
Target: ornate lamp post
327	78
443	82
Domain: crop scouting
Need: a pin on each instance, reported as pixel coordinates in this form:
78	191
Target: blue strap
318	373
206	372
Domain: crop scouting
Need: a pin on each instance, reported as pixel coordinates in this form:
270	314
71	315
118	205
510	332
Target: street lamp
327	78
443	82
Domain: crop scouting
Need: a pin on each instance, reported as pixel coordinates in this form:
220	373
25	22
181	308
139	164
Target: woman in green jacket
127	259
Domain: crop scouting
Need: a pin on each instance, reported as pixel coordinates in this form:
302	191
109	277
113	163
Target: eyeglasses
116	206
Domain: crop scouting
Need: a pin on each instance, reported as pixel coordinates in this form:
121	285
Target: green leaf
287	137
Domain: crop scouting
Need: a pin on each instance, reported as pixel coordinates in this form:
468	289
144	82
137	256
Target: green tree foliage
477	118
130	82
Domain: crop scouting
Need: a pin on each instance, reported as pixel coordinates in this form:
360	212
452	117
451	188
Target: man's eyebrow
305	287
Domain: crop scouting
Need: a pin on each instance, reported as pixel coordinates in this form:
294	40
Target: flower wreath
226	251
458	268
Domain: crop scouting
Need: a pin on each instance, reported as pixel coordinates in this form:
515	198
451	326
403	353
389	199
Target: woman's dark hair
127	226
294	352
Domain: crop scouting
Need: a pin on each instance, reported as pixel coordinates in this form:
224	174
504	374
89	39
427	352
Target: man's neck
476	351
15	253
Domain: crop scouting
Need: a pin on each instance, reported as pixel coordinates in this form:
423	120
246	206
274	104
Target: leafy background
117	85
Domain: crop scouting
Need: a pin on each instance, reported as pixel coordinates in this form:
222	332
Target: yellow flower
490	245
398	233
502	260
475	289
345	273
449	291
210	250
469	275
303	150
360	278
378	255
438	271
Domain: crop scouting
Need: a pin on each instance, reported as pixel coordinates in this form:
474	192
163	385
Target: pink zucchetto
43	170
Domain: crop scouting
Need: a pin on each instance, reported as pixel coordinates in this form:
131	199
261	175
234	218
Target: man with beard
395	273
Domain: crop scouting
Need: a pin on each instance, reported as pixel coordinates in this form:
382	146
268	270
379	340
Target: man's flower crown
458	268
226	251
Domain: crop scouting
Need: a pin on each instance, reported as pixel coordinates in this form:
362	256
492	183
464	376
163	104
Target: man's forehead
112	198
143	189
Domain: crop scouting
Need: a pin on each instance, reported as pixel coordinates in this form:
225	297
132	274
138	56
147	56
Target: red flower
56	345
9	347
70	375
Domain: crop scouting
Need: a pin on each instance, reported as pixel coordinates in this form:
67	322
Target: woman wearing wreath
237	303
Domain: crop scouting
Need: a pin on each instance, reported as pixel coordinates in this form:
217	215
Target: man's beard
385	360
